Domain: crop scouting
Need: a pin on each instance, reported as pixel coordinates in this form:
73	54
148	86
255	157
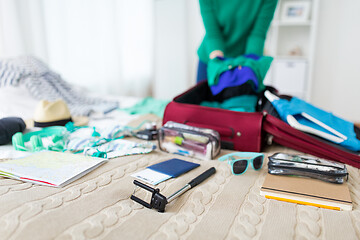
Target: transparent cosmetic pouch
307	166
182	139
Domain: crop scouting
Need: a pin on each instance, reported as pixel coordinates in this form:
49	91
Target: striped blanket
45	84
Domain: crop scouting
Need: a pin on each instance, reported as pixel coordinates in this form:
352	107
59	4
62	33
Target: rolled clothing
8	127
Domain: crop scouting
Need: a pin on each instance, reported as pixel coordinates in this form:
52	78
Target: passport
173	167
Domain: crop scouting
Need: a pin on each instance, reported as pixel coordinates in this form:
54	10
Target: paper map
50	168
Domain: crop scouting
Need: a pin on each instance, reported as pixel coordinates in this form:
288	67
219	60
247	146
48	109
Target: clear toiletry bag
201	143
307	166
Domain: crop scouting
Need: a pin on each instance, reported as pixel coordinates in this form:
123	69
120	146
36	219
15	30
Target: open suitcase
244	131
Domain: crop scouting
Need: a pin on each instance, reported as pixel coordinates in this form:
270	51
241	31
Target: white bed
97	206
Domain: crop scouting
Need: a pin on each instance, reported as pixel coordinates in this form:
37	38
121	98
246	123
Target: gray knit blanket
45	84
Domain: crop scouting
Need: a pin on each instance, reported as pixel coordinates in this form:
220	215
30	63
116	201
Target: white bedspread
97	206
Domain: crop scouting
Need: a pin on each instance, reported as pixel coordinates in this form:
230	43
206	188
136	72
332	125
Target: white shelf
292	43
290	24
291	58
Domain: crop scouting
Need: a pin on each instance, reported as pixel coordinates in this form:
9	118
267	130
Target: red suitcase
246	131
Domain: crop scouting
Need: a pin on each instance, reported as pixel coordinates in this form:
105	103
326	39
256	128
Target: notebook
55	169
162	171
307	191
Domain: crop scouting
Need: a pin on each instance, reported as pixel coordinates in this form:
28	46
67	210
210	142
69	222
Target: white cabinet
290	76
291	41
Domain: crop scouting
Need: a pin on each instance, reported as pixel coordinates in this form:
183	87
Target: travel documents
49	168
162	171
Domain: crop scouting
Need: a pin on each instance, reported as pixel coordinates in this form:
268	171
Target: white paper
151	176
8	152
50	168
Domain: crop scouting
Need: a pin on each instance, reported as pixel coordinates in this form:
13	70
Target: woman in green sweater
233	28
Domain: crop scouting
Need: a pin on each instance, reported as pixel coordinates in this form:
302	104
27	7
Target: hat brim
77	120
80	120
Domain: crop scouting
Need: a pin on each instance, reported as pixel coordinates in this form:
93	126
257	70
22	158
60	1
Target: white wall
105	46
196	33
179	31
170	49
336	84
336	79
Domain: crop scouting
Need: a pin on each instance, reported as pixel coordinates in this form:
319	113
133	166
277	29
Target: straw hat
54	114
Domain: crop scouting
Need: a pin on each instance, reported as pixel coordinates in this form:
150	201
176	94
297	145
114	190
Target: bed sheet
17	102
98	205
225	206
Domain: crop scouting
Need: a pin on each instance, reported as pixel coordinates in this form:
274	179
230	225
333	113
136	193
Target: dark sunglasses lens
258	161
239	166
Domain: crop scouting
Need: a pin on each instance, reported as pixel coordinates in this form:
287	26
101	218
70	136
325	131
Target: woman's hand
216	53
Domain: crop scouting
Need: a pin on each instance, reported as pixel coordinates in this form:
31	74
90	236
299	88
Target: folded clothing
243	103
119	148
297	107
229	72
235	77
148	105
230	92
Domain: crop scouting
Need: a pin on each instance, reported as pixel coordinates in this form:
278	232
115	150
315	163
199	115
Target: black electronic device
159	201
147	134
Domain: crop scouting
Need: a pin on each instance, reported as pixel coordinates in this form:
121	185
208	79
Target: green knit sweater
235	27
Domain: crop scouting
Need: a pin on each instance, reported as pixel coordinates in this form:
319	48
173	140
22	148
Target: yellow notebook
307	191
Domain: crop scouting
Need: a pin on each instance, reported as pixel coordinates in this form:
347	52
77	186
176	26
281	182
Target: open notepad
54	169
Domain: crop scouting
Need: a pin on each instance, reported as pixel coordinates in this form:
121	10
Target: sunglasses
239	161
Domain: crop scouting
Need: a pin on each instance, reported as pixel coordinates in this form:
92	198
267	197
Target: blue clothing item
252	56
235	77
202	67
217	66
296	107
230	92
202	72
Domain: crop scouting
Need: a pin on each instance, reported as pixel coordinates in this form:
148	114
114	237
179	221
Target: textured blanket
225	206
45	84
